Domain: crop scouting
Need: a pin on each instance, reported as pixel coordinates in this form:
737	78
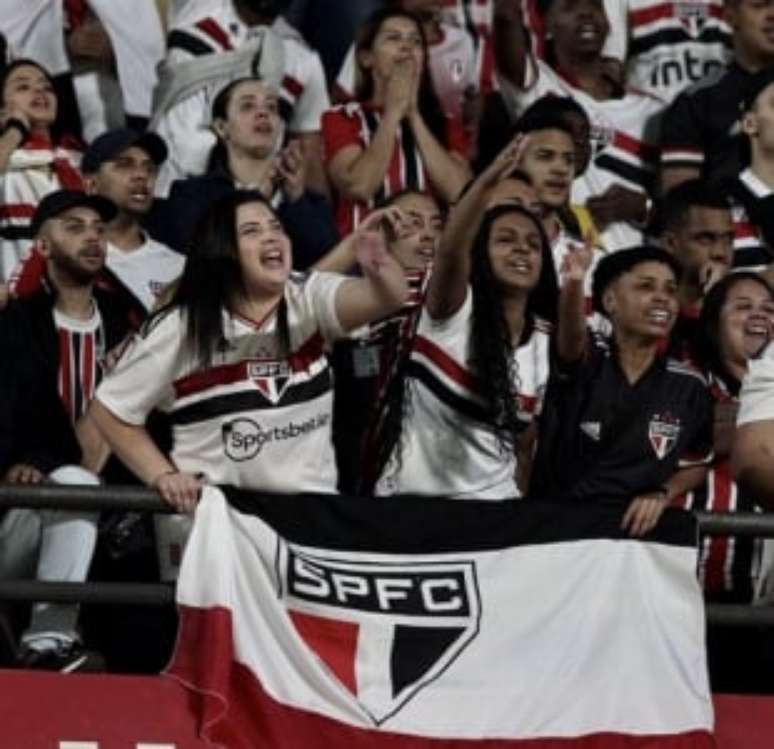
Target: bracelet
18	125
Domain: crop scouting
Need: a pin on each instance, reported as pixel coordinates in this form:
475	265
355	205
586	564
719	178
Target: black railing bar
739	615
136	594
150	594
44	496
737	523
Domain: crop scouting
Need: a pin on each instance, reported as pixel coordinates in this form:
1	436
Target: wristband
18	125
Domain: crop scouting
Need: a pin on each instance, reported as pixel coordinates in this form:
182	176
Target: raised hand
576	263
291	171
400	93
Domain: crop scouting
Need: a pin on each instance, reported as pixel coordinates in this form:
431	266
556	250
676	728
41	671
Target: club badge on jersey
663	433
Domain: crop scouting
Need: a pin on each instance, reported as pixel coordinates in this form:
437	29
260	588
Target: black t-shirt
701	127
604	439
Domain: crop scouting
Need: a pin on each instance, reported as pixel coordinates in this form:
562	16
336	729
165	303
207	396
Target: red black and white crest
663	433
271	377
692	15
384	631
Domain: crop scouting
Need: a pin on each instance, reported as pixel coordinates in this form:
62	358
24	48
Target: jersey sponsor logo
686	67
663	433
385	631
244	438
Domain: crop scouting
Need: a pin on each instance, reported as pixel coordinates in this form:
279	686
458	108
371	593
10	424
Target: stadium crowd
427	247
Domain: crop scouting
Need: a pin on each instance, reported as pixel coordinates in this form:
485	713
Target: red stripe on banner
334	641
211	27
722	487
17	210
445	363
637	148
236	711
293	85
649	15
227	374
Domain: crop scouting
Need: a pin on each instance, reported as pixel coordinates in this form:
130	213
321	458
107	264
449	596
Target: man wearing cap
629	427
753	190
121	165
53	346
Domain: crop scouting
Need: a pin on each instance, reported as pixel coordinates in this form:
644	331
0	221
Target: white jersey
624	140
452	62
476	19
186	125
253	418
756	399
668	46
448	446
145	271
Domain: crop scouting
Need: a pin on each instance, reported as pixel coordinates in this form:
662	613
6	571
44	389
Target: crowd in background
426	247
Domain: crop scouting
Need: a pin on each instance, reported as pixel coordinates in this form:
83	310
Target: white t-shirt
624	139
756	399
448	448
252	418
147	270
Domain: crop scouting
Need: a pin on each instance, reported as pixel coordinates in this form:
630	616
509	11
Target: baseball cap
613	266
60	201
753	86
109	145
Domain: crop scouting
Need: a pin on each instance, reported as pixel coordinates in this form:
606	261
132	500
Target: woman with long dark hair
458	411
238	360
36	157
248	155
395	135
736	323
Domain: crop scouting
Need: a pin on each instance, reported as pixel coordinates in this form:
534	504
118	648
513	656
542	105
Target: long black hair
708	346
429	106
212	279
491	349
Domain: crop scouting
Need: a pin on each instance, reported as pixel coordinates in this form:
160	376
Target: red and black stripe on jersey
79	368
630	159
728	565
271	378
648	31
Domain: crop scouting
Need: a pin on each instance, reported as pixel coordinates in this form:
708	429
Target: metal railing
138	499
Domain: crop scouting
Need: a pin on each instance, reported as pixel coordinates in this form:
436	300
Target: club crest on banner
385	631
663	433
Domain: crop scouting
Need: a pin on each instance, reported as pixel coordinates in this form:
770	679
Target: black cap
109	145
753	86
614	265
63	200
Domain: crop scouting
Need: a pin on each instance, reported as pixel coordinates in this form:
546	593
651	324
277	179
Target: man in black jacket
53	348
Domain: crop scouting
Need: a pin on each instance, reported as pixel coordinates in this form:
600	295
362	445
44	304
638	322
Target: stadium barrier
140	499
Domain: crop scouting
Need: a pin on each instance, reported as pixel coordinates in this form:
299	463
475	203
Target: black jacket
308	221
34	425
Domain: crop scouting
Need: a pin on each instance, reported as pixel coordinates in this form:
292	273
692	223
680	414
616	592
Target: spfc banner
312	621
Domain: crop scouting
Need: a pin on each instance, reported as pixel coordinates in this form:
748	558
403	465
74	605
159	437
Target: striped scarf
34	170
